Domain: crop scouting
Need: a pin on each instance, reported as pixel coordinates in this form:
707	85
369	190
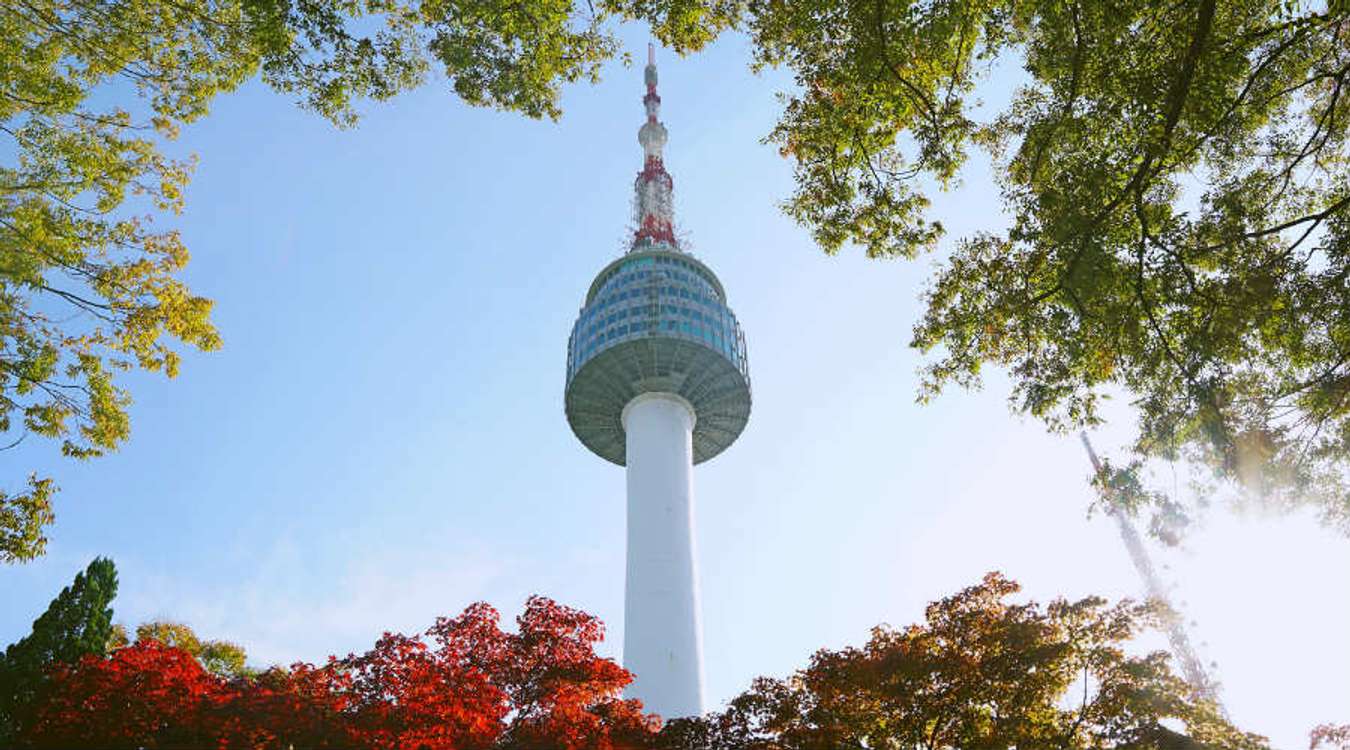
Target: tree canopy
465	684
1331	736
1175	181
89	286
980	672
221	658
1175	177
76	624
1174	174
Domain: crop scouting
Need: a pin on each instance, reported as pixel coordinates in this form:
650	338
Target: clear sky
382	438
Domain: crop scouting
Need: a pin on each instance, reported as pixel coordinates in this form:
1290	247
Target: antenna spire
653	209
1192	668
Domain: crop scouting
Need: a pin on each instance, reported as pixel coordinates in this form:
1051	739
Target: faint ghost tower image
657	381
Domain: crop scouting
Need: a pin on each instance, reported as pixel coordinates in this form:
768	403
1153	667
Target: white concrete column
662	634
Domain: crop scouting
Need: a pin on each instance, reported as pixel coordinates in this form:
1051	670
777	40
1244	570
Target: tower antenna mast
1191	666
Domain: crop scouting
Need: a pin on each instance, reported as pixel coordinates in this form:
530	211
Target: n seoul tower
657	381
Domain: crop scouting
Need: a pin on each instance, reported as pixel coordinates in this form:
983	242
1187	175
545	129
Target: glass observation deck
657	320
655	294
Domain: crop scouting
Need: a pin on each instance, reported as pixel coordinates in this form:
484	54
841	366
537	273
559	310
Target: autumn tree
464	685
77	623
153	695
144	695
979	672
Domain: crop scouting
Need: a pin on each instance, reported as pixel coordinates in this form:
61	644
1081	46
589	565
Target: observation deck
656	320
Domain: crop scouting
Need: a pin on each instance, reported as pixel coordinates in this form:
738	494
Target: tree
77	623
980	672
22	519
1178	190
153	695
470	685
222	658
145	695
1331	736
88	287
1175	174
465	685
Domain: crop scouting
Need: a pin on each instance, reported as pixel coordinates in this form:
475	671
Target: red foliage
405	695
304	706
466	686
147	694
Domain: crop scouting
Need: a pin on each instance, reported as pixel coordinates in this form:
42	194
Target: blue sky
381	439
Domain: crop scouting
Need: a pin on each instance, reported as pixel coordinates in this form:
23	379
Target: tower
1202	686
657	381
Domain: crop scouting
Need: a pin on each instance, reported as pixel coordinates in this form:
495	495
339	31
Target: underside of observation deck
705	378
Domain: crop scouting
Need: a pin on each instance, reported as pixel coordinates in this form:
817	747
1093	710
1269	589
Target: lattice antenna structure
1202	686
653	201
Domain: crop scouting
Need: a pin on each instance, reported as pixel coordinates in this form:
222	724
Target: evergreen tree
76	623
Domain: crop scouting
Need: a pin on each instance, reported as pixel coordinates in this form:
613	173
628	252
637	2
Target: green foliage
89	288
1181	212
22	518
77	623
1175	174
221	658
514	55
684	25
1177	183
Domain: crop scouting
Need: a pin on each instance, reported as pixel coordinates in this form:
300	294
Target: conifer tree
78	622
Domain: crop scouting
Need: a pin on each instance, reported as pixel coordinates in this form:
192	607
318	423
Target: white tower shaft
663	644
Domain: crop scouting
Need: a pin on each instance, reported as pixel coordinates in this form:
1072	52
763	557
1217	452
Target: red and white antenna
653	206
